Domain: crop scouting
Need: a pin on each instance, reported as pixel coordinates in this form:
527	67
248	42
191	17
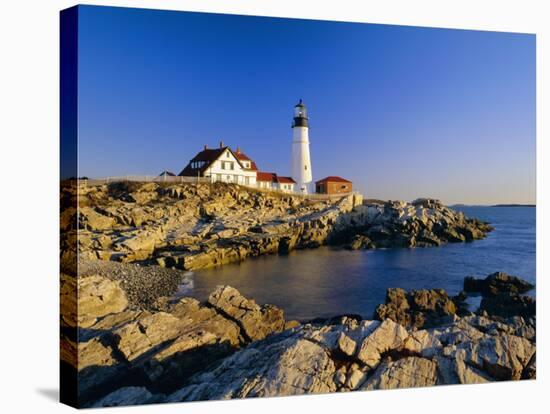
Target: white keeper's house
233	166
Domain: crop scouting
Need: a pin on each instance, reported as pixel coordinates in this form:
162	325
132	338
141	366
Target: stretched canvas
258	207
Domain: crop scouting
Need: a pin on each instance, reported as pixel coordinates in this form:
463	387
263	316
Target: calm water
326	282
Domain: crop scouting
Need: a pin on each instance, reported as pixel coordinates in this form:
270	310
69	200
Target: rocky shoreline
127	351
194	226
128	341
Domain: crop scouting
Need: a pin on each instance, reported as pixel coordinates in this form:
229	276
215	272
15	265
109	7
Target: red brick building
333	185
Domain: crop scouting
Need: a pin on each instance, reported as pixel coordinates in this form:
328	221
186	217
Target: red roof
334	179
241	156
266	176
273	178
286	180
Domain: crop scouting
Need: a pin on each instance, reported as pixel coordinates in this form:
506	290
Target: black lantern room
300	115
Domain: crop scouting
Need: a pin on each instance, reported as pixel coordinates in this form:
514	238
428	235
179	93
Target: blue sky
403	112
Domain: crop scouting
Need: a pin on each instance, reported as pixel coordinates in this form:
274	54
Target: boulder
346	345
404	373
205	337
127	396
388	336
396	307
97	366
422	343
139	337
68	300
434	302
109	323
530	371
503	357
141	243
256	322
98	297
427	203
426	238
355	378
506	305
496	284
454	370
280	365
90	219
360	242
417	308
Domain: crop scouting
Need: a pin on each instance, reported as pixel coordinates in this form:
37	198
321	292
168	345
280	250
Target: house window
247	180
227	154
223	165
232	164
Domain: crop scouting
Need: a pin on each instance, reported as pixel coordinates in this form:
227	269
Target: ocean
326	282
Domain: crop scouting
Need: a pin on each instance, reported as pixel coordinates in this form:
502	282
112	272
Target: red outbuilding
333	185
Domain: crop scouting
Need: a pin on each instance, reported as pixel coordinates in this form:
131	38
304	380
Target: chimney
205	146
221	144
238	150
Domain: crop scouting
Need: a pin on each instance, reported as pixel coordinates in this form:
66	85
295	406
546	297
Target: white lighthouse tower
301	163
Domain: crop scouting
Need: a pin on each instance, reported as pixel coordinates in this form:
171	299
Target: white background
29	147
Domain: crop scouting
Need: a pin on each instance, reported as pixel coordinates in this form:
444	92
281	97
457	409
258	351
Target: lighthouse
301	163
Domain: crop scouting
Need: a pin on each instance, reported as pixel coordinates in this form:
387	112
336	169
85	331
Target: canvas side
68	205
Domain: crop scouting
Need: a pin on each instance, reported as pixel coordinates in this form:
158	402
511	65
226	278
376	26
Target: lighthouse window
305	167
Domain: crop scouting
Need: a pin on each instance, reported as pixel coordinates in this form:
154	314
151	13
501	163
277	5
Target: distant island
514	205
494	205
